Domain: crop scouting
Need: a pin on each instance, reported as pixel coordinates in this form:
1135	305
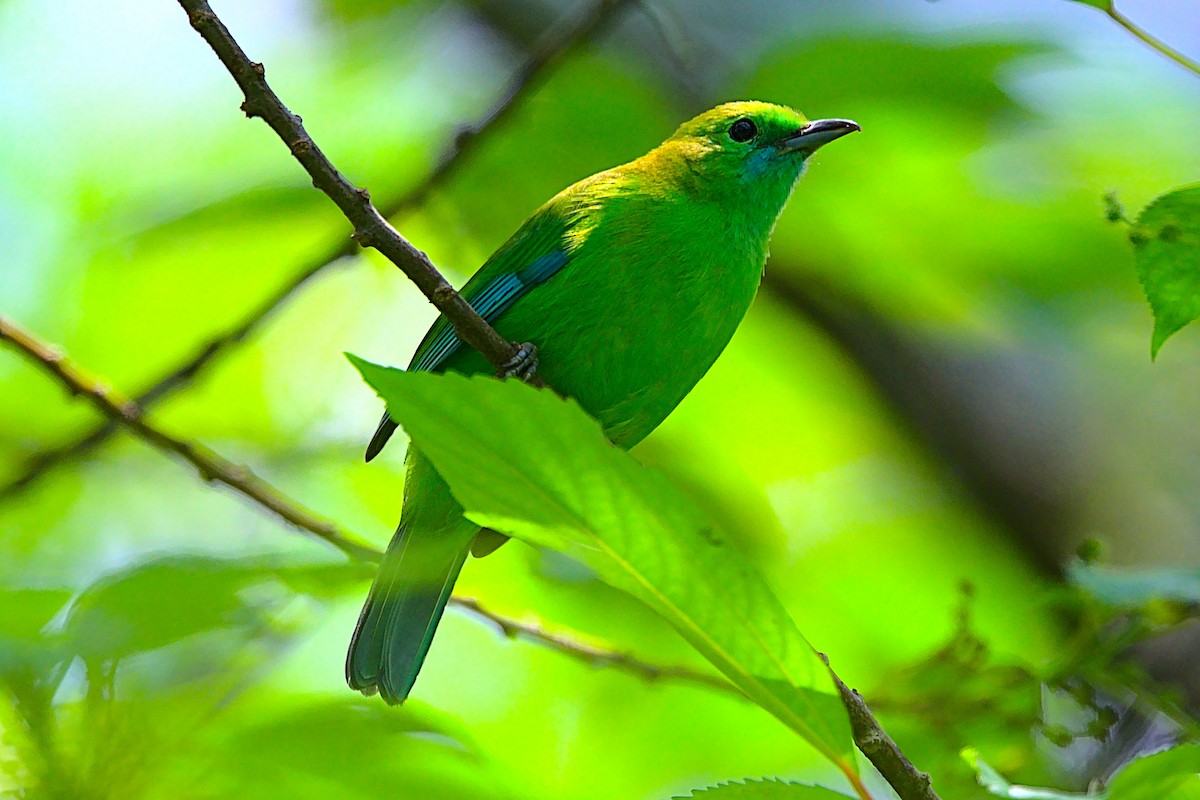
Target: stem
1162	47
208	464
909	782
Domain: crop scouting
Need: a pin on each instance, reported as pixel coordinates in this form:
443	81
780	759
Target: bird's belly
629	351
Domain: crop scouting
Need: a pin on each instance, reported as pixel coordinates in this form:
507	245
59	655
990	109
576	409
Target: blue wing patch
496	297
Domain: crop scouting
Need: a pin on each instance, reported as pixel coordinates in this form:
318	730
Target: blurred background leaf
751	789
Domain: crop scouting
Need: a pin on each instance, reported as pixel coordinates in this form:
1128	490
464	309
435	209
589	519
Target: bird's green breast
653	292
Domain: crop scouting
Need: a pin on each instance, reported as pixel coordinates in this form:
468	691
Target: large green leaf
535	466
768	789
154	603
1166	240
343	747
23	615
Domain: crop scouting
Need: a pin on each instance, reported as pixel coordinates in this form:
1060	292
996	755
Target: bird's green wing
533	255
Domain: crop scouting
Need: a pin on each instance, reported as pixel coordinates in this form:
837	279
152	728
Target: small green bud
1113	210
1090	551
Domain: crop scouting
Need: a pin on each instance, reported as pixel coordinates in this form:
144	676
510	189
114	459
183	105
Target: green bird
629	284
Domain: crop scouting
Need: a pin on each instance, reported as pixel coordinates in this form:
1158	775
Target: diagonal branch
208	464
880	749
556	44
371	228
598	657
215	468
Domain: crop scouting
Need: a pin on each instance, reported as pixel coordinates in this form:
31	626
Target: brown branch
871	739
597	656
213	467
557	43
210	466
371	229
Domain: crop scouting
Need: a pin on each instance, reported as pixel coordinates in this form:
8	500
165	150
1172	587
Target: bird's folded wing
532	256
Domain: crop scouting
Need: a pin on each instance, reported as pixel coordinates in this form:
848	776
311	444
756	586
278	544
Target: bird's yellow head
751	142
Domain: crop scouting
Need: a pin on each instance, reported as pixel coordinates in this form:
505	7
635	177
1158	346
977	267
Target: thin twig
597	656
210	466
1162	47
213	467
909	782
371	228
556	44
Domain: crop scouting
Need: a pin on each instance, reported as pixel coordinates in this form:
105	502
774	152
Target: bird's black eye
743	130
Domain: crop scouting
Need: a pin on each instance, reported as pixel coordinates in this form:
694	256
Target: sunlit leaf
533	465
1103	5
23	615
751	789
1166	241
153	604
1158	776
996	784
24	612
347	747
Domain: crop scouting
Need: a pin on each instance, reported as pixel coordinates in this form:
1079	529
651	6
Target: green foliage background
941	391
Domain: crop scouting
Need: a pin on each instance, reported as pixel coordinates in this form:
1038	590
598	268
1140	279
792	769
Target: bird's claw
524	363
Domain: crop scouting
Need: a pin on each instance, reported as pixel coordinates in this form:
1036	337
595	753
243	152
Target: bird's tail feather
403	609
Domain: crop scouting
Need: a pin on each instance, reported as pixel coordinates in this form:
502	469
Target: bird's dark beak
817	133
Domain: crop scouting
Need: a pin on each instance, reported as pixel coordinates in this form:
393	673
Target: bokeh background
942	390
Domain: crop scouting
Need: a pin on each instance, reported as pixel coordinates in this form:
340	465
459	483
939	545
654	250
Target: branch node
250	109
365	235
258	68
302	147
870	741
199	18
